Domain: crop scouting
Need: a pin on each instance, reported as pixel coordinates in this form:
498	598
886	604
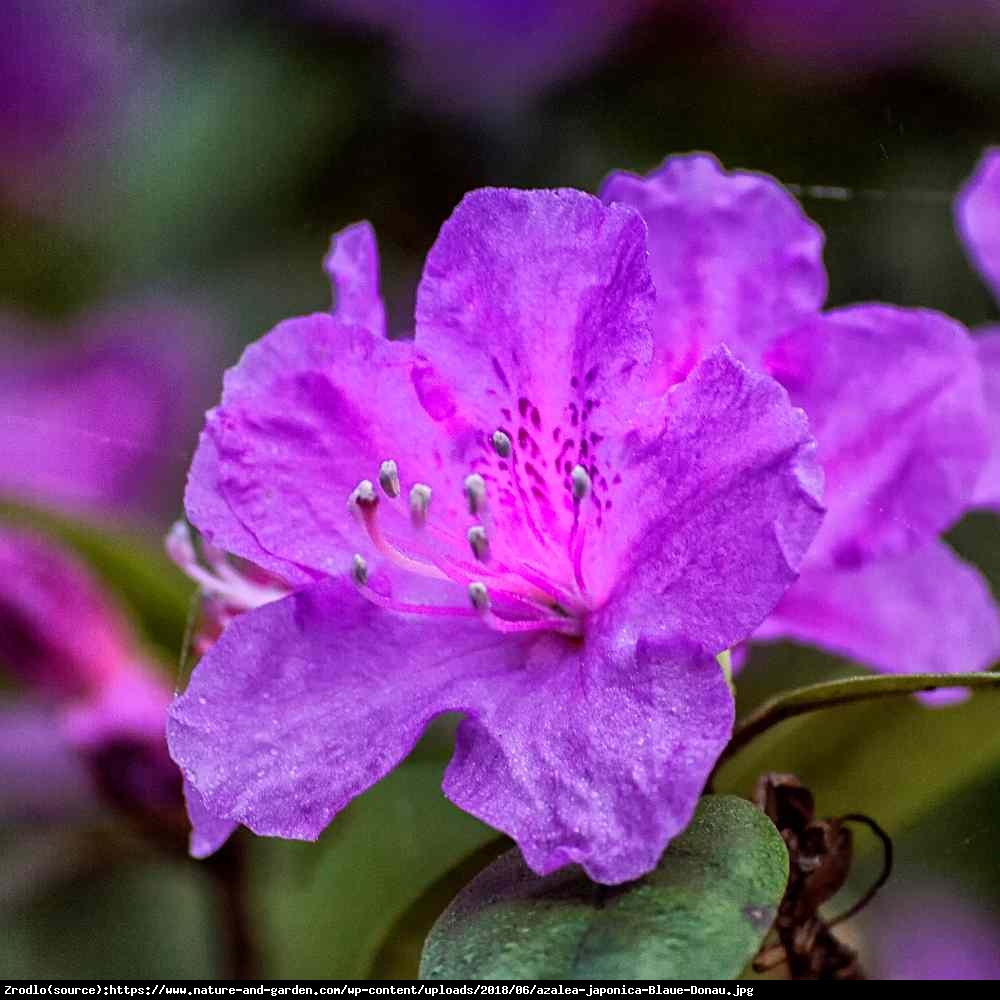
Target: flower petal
352	265
988	352
208	832
59	632
977	215
925	612
895	399
532	319
309	411
306	702
714	514
596	757
734	259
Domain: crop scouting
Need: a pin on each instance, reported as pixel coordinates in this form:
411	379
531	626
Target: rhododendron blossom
894	397
977	213
503	517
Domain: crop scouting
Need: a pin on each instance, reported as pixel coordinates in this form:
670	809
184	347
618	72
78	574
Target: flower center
509	594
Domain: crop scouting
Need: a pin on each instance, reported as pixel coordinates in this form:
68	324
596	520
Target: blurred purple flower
977	214
499	519
62	69
95	707
97	423
935	934
466	55
894	397
846	37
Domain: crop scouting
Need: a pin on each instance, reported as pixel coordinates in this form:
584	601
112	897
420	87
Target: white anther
363	495
501	444
479	596
480	542
580	480
475	493
420	500
359	570
179	545
388	478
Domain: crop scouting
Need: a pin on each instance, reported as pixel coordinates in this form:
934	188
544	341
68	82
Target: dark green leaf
701	914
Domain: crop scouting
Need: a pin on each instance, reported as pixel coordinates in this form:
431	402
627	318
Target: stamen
420	500
501	444
363	497
391	604
475	493
581	484
479	595
359	570
388	478
480	543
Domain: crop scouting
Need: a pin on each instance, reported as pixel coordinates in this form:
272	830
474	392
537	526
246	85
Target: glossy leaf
702	914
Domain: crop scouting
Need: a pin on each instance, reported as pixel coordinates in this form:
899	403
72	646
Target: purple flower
93	424
61	72
894	397
466	55
852	36
934	934
977	214
90	690
502	518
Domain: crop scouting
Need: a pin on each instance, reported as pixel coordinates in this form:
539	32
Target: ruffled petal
208	832
988	352
310	410
734	259
977	215
714	514
926	612
352	266
532	319
306	702
597	757
895	399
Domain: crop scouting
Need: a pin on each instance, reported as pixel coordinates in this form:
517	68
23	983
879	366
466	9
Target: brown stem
229	868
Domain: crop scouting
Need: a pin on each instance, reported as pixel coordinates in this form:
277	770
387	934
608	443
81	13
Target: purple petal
93	426
208	832
594	753
308	412
715	514
926	612
734	259
595	757
988	352
352	265
532	319
895	399
977	215
59	633
306	702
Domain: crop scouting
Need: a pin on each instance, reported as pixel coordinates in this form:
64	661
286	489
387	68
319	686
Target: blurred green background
242	138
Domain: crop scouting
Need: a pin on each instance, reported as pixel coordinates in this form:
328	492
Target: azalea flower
476	55
894	397
95	705
504	518
93	422
977	214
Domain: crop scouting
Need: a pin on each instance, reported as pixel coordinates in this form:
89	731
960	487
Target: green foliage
702	914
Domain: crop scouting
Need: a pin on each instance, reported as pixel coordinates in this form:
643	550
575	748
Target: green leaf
325	909
701	914
829	694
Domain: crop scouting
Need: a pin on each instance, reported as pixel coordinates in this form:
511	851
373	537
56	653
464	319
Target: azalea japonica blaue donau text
894	397
504	518
94	419
977	213
90	687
